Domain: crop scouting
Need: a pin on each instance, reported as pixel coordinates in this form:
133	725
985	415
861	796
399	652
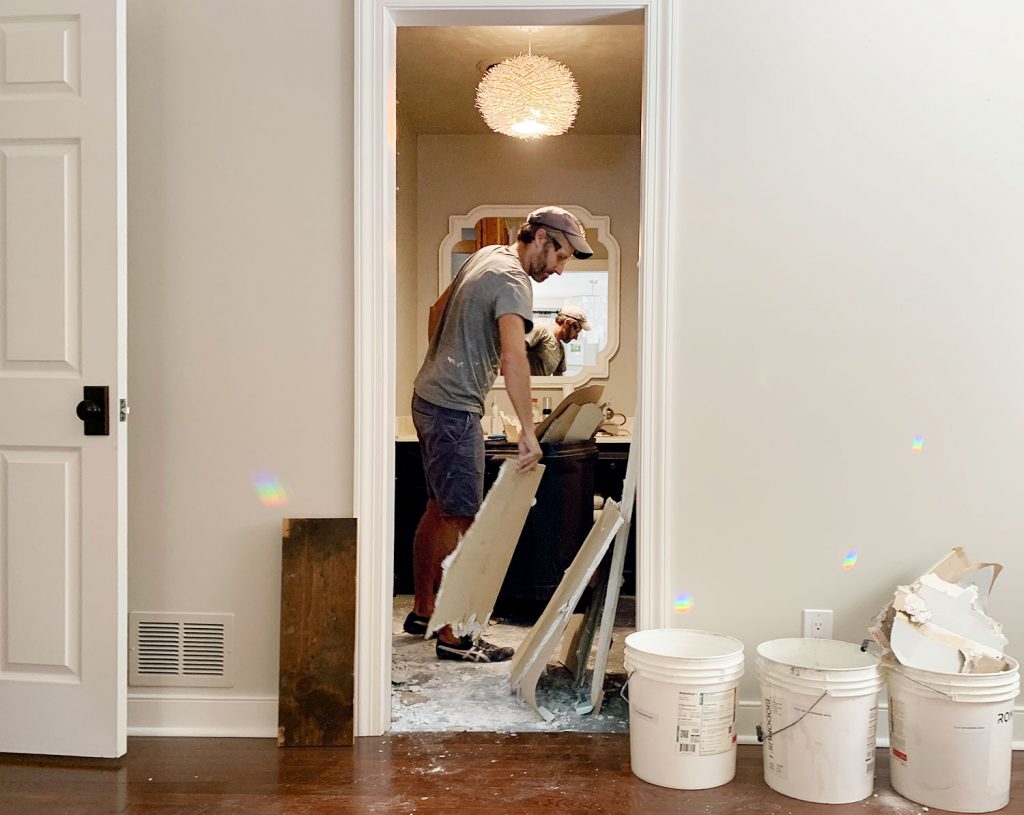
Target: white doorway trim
376	22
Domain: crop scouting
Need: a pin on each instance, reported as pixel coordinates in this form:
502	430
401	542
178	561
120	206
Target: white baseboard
153	714
748	716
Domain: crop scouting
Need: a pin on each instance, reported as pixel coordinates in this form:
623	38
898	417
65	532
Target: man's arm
516	370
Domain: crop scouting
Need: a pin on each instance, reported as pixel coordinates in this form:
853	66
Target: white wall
240	312
599	173
851	181
851	278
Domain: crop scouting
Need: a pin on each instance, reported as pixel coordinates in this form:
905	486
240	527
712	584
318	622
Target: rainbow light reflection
918	444
269	490
850	560
684	602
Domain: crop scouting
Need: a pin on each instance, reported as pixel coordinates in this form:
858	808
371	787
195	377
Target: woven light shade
528	97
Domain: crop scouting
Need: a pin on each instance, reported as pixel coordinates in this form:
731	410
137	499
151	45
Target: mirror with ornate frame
591	284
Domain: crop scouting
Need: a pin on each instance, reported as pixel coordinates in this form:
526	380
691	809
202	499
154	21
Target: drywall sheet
473	573
581	396
614	584
532	657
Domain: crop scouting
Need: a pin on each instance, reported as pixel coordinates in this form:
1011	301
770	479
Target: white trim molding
599	223
376	23
158	714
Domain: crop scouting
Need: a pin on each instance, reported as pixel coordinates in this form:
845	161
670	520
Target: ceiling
438	73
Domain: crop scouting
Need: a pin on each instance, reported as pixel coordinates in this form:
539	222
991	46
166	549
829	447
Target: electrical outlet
818	623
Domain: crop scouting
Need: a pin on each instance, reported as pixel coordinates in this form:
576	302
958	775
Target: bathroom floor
429	695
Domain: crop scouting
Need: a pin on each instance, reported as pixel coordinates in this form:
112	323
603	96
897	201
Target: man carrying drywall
482	330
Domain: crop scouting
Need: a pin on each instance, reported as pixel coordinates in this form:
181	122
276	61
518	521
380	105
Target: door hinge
125	410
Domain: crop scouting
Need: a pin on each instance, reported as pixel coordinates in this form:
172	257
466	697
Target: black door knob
93	410
87	409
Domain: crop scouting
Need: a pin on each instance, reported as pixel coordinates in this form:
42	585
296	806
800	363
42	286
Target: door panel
63	677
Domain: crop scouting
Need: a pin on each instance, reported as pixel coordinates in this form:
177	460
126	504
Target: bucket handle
926	685
622	690
761	735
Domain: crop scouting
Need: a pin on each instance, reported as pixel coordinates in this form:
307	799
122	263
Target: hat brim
581	249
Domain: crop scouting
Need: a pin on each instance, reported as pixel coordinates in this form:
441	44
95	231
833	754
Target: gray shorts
452	448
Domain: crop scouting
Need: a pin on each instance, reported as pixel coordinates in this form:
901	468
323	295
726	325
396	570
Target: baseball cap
577	314
567	223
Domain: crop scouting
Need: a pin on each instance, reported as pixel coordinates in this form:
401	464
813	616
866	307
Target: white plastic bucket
820	711
950	737
682	706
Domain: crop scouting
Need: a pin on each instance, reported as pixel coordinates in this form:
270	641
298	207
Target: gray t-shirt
464	356
545	352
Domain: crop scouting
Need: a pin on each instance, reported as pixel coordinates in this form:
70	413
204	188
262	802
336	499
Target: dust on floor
429	695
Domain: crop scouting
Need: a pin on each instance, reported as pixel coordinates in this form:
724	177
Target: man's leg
423	546
436	538
450	529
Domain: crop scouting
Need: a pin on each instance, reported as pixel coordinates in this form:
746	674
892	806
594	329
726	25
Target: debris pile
940	622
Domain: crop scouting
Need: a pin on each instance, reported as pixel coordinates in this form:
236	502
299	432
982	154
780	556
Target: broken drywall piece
939	622
580	396
473	573
532	657
955	608
584	426
556	431
957	568
614	583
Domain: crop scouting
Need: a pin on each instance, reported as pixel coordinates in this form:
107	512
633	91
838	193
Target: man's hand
529	451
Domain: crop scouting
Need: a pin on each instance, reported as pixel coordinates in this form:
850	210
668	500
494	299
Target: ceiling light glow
528	96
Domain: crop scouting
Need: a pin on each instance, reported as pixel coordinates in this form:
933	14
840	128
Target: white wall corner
151	714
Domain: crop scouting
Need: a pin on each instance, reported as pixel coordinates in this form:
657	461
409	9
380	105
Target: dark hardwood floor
424	773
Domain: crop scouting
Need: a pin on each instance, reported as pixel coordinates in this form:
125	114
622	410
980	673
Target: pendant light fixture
528	97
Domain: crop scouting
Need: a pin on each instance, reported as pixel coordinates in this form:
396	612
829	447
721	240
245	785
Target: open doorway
375	259
461	187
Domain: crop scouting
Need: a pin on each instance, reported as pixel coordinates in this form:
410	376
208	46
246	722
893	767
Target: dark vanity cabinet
554	530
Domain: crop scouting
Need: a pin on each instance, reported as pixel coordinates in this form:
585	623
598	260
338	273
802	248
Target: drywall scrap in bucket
939	623
473	573
951	689
591	394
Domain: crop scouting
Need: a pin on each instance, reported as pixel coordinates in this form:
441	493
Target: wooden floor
425	773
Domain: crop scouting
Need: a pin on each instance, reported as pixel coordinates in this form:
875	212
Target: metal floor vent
185	650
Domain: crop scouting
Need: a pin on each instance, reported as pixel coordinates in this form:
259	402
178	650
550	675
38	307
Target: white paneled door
62	328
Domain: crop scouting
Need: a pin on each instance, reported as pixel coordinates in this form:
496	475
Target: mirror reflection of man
545	345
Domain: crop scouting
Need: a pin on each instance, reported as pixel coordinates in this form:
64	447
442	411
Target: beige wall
850	279
599	173
407	266
240	301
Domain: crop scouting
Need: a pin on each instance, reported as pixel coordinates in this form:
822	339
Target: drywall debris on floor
531	658
473	573
940	622
429	695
